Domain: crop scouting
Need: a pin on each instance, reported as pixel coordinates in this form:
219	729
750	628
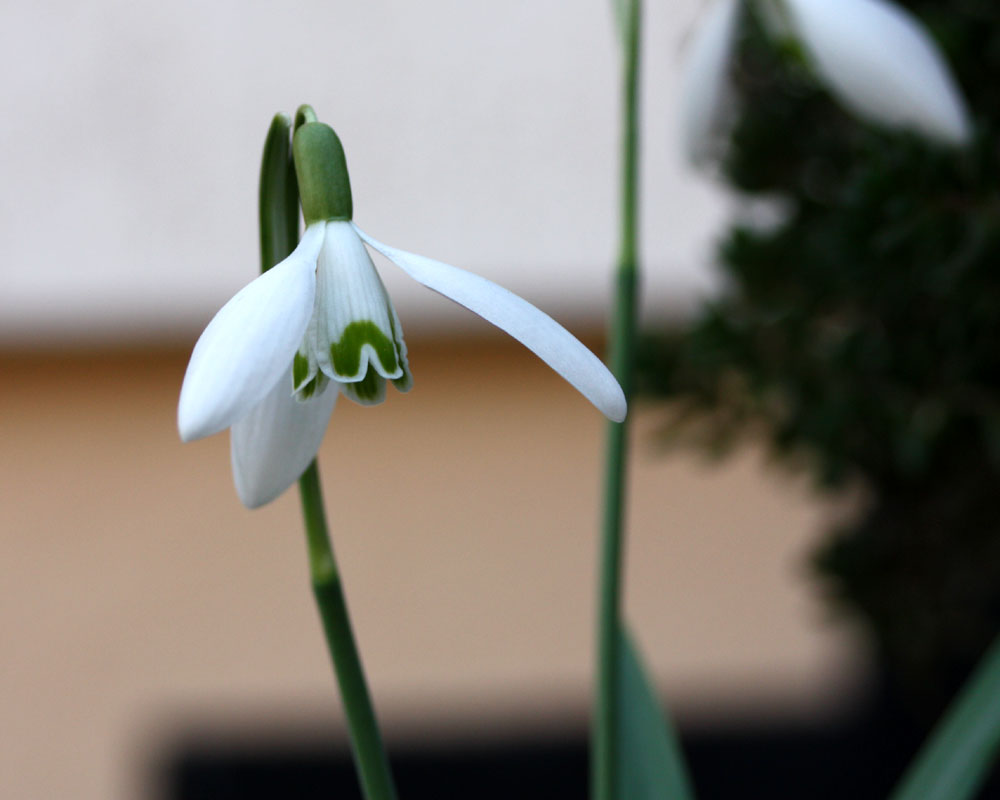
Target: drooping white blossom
875	58
706	92
273	360
879	61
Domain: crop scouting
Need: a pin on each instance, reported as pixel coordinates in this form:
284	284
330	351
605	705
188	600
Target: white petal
706	93
272	445
351	299
405	381
882	65
305	370
248	345
536	330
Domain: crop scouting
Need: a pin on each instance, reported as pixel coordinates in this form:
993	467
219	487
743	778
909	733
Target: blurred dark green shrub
861	337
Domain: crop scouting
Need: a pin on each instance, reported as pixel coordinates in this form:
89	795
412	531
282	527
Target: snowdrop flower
881	64
872	55
706	93
273	360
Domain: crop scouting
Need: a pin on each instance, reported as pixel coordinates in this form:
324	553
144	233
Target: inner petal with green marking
354	337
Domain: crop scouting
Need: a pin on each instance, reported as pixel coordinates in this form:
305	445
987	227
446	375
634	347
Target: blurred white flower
882	65
872	55
271	362
706	93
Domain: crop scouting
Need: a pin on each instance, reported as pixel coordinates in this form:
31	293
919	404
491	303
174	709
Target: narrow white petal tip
617	408
533	328
882	65
189	426
706	94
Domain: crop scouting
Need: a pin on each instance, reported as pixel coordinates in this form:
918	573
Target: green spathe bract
278	195
324	186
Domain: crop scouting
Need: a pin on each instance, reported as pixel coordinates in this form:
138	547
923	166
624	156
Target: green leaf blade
963	747
651	765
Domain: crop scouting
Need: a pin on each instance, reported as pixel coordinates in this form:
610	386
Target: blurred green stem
605	759
369	752
279	234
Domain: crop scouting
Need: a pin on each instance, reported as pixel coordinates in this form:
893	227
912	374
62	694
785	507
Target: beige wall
139	598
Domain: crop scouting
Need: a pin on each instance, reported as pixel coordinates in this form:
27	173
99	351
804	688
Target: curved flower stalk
872	55
273	360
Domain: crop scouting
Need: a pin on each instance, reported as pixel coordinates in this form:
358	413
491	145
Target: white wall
479	133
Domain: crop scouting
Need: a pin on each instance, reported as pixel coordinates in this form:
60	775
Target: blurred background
160	641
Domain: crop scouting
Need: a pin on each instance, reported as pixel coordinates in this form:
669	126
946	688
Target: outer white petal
706	94
881	63
536	330
272	445
248	345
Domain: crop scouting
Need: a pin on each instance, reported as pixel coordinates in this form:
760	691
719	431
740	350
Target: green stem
279	233
605	759
369	753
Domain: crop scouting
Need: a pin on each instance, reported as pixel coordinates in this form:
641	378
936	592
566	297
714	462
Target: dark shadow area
859	758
